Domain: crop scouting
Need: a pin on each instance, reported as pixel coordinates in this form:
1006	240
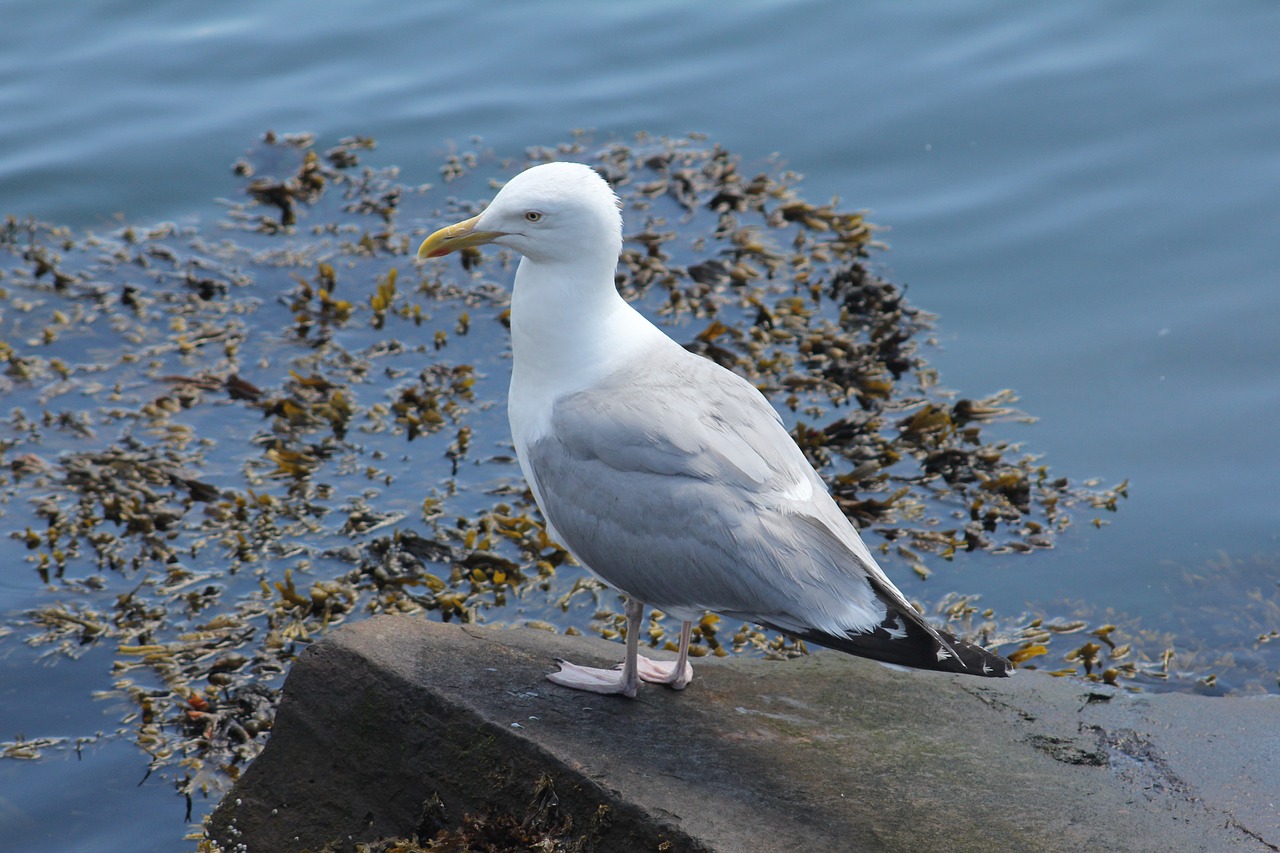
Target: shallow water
1086	195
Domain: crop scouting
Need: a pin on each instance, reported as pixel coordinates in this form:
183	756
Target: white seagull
669	477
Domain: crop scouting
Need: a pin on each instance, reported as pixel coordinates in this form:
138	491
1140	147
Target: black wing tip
973	659
905	638
916	648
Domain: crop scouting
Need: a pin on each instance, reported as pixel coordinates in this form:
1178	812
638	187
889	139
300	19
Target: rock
397	726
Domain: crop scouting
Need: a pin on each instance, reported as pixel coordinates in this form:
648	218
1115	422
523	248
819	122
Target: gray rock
396	725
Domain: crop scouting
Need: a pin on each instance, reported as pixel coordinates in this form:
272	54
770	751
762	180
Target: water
1086	194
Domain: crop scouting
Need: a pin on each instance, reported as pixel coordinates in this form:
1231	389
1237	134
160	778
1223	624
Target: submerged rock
400	727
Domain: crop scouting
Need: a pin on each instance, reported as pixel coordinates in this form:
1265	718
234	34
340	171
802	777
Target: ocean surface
1087	195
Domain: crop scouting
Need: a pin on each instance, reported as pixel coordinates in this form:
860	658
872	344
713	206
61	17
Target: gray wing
675	481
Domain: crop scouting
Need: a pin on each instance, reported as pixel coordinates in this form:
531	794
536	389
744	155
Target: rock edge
395	726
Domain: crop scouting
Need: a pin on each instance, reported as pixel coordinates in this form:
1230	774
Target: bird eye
533	216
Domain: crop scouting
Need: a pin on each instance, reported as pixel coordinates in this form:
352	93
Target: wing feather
696	501
675	482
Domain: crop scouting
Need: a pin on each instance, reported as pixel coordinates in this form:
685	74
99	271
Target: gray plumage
670	480
675	481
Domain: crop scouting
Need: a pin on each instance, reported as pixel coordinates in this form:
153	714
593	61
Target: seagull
669	477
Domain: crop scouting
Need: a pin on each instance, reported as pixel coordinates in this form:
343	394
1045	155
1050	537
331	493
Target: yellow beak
454	237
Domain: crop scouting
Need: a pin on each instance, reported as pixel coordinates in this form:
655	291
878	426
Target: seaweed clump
221	443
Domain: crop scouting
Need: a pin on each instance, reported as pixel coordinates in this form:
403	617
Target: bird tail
906	639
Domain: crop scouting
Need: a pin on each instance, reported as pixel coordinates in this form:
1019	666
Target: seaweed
222	442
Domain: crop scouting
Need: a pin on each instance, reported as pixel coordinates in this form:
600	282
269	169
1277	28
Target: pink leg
675	674
608	681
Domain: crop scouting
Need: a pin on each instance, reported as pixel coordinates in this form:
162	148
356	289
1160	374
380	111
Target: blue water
1087	193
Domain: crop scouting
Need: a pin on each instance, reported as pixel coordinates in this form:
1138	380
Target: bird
666	475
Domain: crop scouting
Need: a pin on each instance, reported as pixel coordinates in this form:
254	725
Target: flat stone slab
398	725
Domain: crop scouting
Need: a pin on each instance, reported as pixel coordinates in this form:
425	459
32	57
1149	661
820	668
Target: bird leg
608	681
626	677
675	674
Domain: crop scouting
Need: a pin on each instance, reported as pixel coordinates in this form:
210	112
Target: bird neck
569	325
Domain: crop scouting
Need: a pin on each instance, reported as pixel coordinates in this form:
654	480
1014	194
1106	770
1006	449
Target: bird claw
591	679
664	672
612	681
